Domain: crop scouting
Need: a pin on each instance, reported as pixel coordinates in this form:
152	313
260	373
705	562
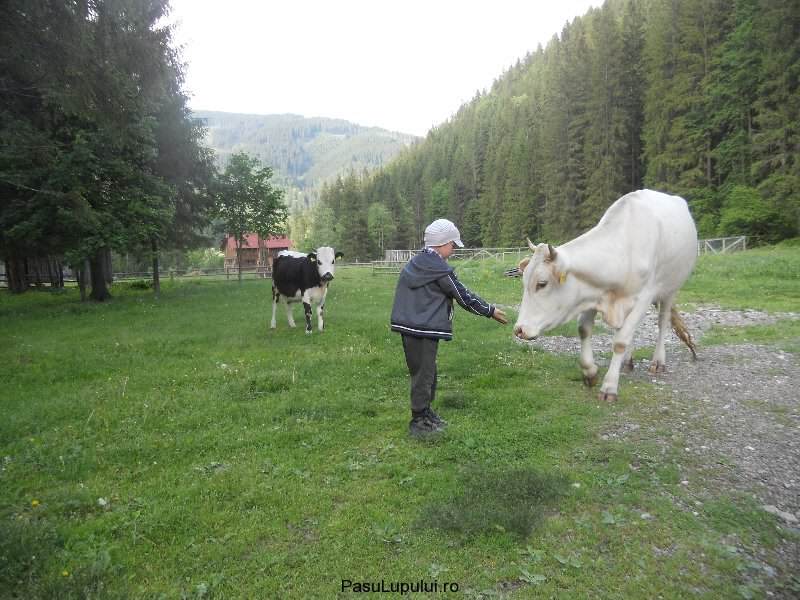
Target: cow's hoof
272	326
308	332
590	381
657	367
607	397
627	367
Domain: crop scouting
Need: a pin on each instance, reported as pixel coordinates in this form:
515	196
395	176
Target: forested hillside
303	152
694	97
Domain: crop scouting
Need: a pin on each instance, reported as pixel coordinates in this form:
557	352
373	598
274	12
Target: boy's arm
465	298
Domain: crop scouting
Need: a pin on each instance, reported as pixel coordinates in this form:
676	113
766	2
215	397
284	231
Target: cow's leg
321	310
289	312
623	339
658	364
275	297
589	368
307	310
627	360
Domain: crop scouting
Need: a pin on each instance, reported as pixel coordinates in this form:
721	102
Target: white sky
404	65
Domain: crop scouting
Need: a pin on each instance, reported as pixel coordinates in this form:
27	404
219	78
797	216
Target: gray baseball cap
442	231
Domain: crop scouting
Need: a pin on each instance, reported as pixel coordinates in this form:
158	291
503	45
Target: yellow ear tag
562	278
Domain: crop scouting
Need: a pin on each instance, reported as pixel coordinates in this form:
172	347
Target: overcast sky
404	65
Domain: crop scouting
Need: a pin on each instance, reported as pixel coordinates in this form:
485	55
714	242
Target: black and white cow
302	277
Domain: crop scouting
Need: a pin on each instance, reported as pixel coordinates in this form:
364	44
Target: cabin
257	253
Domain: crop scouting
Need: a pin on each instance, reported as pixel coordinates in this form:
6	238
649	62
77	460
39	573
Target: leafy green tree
439	200
633	90
607	138
732	93
248	203
746	212
322	230
776	141
380	224
90	92
205	258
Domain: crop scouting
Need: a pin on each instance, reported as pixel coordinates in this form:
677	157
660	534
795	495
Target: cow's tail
680	329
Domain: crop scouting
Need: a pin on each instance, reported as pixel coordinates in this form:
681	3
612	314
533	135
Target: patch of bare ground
735	412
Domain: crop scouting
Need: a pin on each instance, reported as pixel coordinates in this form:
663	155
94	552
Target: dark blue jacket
423	299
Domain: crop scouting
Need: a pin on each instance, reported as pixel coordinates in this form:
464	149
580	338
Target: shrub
746	212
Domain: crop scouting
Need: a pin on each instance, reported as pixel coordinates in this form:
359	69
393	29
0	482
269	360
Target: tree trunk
107	267
99	291
156	275
81	274
56	272
15	274
239	259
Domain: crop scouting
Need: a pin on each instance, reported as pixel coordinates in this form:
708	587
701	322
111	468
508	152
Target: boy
423	315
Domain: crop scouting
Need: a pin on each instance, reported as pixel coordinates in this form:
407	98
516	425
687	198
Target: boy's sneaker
422	426
429	412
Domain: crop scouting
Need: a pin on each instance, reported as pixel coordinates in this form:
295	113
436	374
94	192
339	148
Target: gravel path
736	410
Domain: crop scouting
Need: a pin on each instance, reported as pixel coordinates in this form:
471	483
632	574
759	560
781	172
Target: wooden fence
210	274
230	274
392	264
395	259
722	245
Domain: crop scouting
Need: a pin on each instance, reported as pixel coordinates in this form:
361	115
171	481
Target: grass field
177	448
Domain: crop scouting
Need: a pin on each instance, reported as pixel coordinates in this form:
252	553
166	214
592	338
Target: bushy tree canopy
99	150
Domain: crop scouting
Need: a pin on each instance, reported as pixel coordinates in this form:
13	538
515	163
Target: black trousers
421	360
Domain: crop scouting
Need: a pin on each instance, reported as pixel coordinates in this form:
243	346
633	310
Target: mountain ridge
304	152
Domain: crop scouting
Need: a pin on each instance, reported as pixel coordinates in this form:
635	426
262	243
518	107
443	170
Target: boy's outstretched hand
500	316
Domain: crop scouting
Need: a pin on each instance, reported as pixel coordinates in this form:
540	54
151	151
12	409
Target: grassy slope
237	462
765	279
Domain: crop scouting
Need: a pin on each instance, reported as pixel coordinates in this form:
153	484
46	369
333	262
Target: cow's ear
523	263
338	255
312	256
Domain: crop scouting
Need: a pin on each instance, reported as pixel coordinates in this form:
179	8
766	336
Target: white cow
640	253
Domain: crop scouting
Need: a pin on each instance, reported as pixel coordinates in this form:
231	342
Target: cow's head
325	259
548	298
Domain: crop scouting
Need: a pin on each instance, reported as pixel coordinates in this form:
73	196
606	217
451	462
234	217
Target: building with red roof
256	252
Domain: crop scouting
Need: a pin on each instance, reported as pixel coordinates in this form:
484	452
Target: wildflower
34	503
65	573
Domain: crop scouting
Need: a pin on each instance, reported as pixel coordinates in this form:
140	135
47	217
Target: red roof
279	242
251	240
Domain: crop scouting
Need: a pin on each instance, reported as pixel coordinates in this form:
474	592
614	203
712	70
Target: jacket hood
425	267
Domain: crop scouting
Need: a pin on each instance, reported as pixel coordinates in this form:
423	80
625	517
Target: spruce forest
98	149
693	97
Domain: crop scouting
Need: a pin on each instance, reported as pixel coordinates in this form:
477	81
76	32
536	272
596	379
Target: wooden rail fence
393	262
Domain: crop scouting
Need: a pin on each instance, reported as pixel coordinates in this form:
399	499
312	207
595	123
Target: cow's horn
552	252
531	245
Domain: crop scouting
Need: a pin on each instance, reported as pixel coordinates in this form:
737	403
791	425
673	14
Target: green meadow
178	448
